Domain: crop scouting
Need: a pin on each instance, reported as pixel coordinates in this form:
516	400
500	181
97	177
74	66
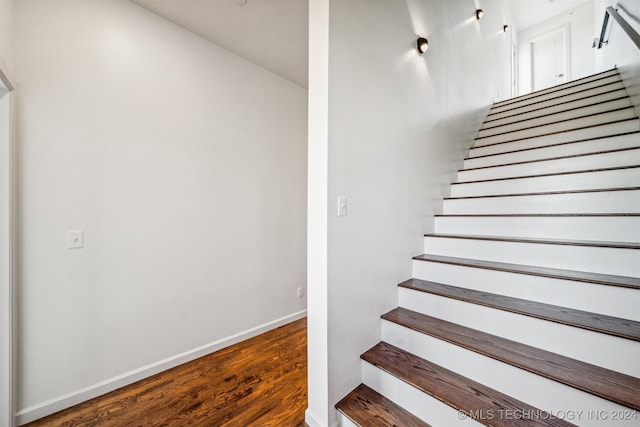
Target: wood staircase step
365	407
555	96
572	156
601	323
607	384
578	172
594	77
561	144
556	126
455	390
593	89
545	193
554	273
591	243
563	107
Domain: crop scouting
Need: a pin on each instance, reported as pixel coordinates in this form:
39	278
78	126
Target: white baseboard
312	421
59	403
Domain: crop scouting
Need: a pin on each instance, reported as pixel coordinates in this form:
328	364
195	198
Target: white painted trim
312	420
43	409
7	250
566	30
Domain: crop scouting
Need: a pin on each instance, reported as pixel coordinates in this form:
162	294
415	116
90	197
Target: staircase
525	307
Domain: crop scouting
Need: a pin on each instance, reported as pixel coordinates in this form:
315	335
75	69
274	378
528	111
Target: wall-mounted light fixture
422	44
505	28
479	13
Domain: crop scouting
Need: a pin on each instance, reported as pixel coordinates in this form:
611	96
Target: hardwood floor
258	382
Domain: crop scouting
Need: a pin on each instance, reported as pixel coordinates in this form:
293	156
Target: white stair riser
561	116
610	229
413	400
561	400
579	163
344	421
504	112
604	97
606	130
556	97
574	181
589	81
616	261
620	302
603	350
583	147
568	125
593	202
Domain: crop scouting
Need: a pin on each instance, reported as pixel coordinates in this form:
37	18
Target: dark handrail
633	34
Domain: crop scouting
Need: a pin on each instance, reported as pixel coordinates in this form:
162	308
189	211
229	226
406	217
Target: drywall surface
579	22
398	127
620	51
6	25
317	224
185	167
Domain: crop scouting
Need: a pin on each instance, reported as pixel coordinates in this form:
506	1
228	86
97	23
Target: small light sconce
505	28
422	44
479	13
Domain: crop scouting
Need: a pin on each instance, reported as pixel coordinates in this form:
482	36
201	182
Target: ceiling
526	13
273	33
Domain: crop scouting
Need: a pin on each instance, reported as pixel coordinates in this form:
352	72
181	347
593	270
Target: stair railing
628	29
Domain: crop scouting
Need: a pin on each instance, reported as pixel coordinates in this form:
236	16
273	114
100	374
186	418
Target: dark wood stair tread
546	193
541	115
601	323
553	123
454	389
560	87
543	241
543	175
571	156
635	118
577	141
555	273
366	407
558	99
607	384
534	215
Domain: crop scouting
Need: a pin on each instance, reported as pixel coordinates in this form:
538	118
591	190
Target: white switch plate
75	239
299	292
342	206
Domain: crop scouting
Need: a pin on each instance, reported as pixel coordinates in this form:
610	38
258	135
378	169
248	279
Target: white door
549	60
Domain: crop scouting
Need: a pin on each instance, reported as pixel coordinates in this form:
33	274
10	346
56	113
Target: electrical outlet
342	206
300	292
75	240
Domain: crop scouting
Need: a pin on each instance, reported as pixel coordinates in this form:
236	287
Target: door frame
566	29
8	288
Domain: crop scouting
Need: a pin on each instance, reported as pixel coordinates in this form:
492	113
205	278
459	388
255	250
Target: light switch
342	206
75	239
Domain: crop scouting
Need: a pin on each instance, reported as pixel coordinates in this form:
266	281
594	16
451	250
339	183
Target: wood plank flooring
258	382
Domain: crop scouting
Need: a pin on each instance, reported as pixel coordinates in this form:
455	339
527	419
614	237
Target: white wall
579	20
183	164
620	51
398	126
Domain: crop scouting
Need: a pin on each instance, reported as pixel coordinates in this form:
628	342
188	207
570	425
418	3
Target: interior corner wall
620	51
184	165
581	55
398	127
